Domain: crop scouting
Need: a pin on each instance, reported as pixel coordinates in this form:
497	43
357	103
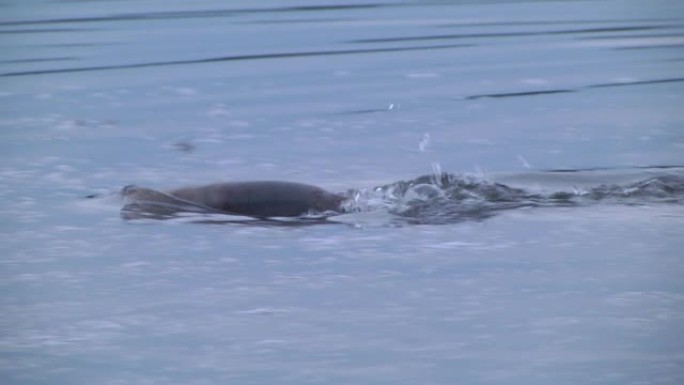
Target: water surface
543	96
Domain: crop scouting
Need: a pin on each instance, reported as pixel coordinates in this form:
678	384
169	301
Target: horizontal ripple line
512	34
562	91
284	55
637	83
38	60
514	94
571	170
194	14
44	30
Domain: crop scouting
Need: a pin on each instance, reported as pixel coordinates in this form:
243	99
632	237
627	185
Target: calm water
348	96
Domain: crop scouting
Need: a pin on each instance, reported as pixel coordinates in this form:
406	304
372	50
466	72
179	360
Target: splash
442	198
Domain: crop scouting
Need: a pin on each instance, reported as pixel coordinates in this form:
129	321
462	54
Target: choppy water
542	245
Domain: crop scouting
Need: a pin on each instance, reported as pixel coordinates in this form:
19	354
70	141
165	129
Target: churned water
513	172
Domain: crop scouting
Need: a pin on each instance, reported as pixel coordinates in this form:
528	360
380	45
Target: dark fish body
262	199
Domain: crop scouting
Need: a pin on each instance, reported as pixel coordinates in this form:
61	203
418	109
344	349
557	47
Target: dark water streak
561	91
210	13
511	34
38	60
45	30
281	55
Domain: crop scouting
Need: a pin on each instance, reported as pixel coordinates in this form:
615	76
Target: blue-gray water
349	96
